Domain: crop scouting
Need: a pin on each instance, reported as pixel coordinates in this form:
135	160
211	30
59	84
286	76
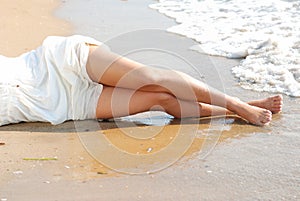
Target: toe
278	98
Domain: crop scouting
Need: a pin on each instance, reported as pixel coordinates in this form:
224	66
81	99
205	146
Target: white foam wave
266	34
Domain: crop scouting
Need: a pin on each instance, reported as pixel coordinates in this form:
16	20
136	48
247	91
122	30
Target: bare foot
253	114
257	116
273	103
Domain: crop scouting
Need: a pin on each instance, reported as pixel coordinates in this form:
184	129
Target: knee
167	103
152	77
165	100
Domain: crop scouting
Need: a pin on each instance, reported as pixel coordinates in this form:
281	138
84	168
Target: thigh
117	102
108	68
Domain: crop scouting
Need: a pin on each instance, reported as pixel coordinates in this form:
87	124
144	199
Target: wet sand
226	159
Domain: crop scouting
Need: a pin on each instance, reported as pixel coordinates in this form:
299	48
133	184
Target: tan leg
118	102
112	70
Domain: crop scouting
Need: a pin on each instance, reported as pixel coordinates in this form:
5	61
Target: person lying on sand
77	78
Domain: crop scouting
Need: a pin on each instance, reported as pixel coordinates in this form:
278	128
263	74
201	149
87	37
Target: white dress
49	84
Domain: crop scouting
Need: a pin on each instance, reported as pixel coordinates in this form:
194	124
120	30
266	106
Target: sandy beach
207	159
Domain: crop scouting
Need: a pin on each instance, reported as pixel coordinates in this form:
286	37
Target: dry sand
25	23
44	162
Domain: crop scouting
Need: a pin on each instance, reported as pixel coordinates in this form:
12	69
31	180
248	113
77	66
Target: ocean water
264	34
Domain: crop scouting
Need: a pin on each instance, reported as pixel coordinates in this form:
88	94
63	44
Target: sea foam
264	34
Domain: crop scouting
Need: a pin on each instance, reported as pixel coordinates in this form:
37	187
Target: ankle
235	104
